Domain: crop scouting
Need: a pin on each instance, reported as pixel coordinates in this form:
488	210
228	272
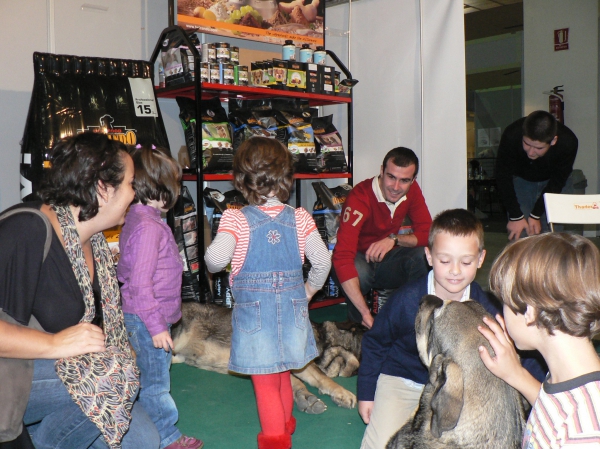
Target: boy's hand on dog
163	340
506	363
365	408
506	360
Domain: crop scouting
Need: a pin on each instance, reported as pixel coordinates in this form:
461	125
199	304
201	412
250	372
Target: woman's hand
82	338
163	340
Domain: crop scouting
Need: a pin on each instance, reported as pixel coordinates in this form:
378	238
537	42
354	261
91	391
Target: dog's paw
309	403
178	358
344	398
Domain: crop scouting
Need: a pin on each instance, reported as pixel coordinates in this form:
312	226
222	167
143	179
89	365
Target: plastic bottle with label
288	52
319	55
306	53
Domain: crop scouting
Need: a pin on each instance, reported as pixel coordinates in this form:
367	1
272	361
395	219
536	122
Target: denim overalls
271	329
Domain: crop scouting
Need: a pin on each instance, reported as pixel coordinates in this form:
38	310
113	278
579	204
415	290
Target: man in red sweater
370	252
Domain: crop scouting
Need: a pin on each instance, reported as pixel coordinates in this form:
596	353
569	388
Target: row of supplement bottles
306	53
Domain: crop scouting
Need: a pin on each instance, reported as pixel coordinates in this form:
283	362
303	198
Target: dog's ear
447	400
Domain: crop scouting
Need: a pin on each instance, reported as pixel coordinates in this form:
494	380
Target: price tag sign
143	97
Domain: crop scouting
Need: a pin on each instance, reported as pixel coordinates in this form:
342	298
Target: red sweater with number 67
365	220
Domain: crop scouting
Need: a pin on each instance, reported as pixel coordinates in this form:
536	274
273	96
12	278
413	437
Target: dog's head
447	340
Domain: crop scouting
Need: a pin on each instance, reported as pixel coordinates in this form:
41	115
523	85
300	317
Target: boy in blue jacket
391	375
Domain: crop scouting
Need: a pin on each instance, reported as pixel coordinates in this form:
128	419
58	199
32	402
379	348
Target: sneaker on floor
186	443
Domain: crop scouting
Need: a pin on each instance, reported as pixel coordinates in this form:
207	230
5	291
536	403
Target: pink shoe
186	443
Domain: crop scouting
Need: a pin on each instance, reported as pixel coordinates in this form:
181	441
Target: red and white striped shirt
231	243
566	415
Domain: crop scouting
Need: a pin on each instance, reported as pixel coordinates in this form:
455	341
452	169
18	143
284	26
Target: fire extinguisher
556	103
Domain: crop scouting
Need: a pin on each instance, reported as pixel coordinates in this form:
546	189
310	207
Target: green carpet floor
221	409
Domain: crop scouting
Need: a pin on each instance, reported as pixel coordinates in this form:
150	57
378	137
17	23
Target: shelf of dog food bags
200	91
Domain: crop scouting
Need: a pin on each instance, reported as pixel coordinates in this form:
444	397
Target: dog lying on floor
203	339
463	405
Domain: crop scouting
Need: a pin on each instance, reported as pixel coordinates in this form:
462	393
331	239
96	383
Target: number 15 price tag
143	97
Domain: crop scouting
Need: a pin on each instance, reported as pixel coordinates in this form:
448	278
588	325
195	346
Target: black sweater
555	166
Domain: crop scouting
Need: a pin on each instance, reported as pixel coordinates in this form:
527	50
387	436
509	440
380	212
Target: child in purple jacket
150	269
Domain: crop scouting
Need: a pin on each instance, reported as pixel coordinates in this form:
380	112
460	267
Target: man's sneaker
186	443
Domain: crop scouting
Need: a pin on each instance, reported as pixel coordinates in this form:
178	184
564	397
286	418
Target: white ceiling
479	5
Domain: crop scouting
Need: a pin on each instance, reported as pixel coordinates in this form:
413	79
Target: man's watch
394	237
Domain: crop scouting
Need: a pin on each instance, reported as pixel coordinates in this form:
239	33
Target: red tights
275	401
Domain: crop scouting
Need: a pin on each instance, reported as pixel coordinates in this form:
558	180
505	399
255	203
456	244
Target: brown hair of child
157	175
558	274
457	222
263	167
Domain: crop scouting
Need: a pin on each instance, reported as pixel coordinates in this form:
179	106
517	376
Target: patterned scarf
102	384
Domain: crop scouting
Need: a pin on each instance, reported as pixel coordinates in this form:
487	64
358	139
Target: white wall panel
444	150
575	68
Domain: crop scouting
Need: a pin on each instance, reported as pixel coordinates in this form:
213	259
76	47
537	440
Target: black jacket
555	166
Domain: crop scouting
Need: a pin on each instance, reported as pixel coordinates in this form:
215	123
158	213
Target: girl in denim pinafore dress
265	244
271	329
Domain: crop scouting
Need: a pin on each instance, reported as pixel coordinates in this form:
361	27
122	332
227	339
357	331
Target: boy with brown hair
550	286
391	375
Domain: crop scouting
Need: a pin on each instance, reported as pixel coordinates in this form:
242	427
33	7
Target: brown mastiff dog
203	339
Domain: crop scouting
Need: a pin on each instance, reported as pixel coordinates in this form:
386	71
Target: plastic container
319	55
288	51
306	53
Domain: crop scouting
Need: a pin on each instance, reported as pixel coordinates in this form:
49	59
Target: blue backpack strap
38	212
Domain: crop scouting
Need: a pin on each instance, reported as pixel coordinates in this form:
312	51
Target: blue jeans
399	266
55	421
155	381
528	193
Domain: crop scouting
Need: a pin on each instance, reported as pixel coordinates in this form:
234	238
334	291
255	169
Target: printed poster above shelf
271	21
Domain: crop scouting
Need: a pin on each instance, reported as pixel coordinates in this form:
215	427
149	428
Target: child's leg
271	411
287	399
395	401
155	381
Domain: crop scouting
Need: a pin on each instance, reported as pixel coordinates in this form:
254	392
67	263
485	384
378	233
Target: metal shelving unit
201	91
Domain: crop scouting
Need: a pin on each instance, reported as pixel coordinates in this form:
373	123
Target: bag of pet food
185	230
75	94
327	210
177	59
217	148
330	150
300	140
248	123
220	202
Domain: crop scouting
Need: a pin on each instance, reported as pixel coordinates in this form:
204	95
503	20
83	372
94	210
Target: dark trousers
398	267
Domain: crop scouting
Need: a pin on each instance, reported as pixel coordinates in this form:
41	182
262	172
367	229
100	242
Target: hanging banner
75	94
272	21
